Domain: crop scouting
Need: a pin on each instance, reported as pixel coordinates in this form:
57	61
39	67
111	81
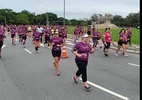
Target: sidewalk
131	49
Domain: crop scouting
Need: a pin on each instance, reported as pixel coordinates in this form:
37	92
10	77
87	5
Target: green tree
22	19
74	22
133	19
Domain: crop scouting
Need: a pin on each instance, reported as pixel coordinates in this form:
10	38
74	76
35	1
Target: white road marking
134	64
28	51
106	90
3	46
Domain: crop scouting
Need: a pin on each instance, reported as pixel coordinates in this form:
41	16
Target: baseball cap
85	35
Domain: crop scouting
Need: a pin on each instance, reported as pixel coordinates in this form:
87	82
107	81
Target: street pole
47	22
64	12
5	20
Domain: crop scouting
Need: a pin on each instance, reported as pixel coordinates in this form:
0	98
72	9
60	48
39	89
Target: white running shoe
125	55
116	54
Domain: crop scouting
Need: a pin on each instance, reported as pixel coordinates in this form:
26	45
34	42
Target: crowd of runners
55	36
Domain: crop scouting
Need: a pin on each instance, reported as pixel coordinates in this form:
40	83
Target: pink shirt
108	37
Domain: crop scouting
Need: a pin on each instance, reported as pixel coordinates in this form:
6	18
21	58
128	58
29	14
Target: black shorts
41	34
56	53
24	37
124	42
107	45
89	32
8	30
119	42
98	38
13	35
47	38
20	36
1	43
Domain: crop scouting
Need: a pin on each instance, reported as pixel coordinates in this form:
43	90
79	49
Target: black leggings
82	69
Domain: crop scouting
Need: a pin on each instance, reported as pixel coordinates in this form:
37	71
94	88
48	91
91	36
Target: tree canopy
8	16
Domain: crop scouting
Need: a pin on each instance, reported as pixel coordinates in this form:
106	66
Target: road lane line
106	90
28	51
3	46
134	64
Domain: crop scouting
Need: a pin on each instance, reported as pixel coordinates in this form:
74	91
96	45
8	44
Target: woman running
47	36
36	39
57	43
81	50
13	35
107	40
122	31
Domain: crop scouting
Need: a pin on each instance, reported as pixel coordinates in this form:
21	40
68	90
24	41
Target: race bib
84	55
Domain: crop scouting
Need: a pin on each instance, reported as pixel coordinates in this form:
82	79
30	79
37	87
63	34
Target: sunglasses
56	34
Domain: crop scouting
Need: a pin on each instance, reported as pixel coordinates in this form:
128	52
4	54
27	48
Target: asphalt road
25	75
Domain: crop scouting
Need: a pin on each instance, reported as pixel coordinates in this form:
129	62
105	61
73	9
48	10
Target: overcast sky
74	8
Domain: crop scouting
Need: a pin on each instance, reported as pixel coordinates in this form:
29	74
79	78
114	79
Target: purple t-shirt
13	31
2	30
129	34
1	36
83	49
89	28
47	32
124	36
36	35
76	31
57	40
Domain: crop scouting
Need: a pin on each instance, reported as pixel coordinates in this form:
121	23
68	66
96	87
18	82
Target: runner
20	34
107	40
40	30
2	36
29	31
57	43
47	36
129	35
81	50
96	35
76	34
36	39
64	35
13	34
24	36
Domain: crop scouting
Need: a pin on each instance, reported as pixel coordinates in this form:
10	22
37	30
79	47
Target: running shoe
87	88
58	73
75	80
53	63
106	54
125	55
116	54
